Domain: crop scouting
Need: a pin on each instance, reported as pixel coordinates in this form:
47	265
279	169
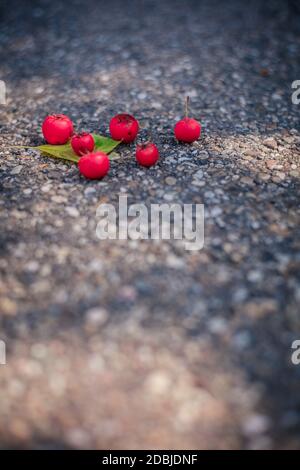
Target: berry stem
187	102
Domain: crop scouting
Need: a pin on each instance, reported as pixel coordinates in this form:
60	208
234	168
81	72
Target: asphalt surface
142	344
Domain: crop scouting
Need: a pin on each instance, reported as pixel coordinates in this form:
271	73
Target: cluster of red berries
58	129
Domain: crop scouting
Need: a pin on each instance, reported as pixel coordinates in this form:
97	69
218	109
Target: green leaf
105	144
65	152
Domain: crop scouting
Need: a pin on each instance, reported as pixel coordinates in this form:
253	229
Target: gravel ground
127	344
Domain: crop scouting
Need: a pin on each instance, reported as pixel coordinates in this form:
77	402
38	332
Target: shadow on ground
135	344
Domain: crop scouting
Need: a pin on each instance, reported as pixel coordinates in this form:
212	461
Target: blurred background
135	345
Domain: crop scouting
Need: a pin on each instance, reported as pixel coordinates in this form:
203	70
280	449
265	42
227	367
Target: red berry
124	127
187	130
57	129
82	143
94	165
147	154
